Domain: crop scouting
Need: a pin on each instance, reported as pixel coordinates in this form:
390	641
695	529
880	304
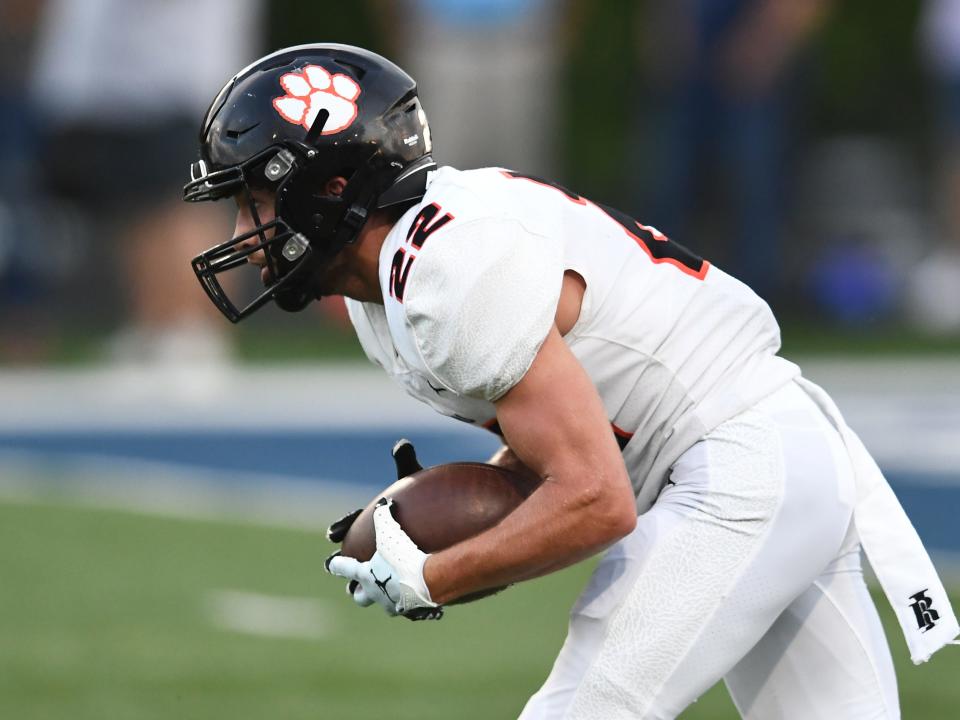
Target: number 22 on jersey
427	222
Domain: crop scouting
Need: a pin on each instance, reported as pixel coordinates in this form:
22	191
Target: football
442	505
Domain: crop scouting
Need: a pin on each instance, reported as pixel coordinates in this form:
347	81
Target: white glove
393	577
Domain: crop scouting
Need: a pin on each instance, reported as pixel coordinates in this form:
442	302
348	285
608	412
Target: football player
641	383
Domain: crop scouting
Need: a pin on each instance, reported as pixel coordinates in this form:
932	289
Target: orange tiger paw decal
313	89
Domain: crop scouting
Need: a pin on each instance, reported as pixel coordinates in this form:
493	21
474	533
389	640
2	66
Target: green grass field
105	615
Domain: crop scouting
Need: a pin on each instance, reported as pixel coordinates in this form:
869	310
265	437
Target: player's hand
393	577
405	458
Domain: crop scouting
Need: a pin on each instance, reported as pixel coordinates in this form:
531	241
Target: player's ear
335	186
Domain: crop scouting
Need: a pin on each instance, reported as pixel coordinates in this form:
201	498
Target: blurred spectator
17	287
934	286
17	21
862	222
722	75
495	64
119	87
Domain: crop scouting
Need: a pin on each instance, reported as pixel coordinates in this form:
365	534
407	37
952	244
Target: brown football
442	505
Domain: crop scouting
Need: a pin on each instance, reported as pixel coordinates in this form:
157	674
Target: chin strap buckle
355	217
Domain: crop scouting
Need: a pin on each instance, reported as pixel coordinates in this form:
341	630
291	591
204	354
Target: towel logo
923	609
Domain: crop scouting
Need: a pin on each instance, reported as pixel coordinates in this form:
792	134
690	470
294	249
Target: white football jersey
471	277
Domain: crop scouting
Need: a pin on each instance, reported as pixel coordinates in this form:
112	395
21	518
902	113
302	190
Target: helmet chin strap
296	297
409	187
293	301
347	233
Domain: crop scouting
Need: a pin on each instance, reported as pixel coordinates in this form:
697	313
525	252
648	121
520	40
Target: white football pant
747	568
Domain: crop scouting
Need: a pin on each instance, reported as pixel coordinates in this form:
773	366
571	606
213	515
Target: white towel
893	547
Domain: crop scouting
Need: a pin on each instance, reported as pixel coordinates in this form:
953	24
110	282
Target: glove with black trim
393	577
405	460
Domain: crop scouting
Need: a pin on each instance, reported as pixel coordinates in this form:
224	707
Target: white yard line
268	615
224	398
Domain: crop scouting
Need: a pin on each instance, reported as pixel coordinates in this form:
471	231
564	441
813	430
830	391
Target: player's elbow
623	518
610	512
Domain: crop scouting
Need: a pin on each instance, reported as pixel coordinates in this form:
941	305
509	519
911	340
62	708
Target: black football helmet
288	123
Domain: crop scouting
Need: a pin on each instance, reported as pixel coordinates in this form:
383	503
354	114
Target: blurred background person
118	87
18	286
933	294
496	64
722	75
17	22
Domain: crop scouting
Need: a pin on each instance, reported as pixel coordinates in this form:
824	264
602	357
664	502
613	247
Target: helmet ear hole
335	186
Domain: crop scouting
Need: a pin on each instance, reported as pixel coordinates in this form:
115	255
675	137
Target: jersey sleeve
481	303
366	332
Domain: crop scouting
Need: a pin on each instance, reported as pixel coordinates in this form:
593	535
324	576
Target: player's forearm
585	501
550	530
